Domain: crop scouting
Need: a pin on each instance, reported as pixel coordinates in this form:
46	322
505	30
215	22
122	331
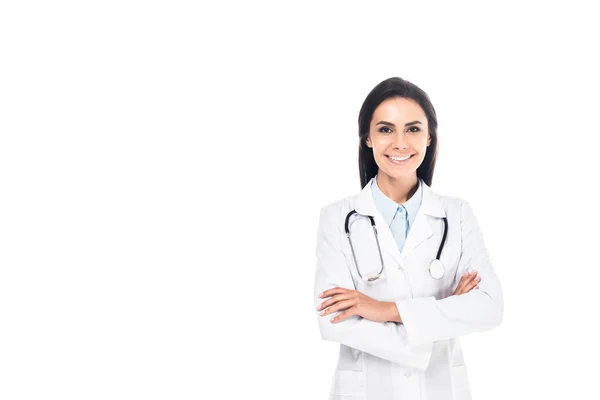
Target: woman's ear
428	140
368	141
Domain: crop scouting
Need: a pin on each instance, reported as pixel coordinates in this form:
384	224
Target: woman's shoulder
456	208
454	205
450	201
336	209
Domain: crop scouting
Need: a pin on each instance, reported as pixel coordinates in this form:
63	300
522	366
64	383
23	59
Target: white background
162	167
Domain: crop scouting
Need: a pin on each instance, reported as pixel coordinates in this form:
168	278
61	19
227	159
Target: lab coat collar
422	229
389	208
430	205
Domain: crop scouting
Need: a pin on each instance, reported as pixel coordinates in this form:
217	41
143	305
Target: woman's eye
416	129
385	131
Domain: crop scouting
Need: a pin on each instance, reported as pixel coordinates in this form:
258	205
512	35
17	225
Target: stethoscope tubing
436	262
347	228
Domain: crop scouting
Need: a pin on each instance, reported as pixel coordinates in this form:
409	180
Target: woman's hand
467	283
355	303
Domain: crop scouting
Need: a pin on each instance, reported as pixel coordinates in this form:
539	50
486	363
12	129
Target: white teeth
399	159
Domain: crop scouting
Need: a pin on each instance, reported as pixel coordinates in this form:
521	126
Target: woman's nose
400	141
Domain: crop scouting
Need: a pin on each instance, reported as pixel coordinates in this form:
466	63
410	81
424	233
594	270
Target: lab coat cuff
414	318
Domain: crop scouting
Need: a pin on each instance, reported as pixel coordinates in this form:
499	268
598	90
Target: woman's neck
399	190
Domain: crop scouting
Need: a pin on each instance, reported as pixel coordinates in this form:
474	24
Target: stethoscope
436	268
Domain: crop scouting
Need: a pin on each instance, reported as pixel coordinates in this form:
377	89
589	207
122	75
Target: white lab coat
420	358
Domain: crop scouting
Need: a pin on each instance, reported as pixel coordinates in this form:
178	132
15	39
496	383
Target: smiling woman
397	320
398	147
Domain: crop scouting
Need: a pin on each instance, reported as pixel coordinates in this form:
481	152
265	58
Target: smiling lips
399	160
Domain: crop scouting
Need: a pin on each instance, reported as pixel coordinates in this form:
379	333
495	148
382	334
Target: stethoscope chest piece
436	269
373	278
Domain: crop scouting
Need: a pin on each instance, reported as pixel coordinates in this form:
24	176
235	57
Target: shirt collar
388	207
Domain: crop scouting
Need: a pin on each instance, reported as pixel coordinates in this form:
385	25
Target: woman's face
399	129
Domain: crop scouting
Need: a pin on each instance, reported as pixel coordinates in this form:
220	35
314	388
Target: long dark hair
395	87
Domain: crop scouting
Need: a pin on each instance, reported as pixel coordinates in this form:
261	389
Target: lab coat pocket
460	383
348	384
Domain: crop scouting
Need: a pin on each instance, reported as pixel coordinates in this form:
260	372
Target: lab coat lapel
422	229
365	205
429	212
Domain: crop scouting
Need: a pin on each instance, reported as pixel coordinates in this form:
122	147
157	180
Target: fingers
473	284
467	283
339	299
335	295
335	290
332	300
464	281
343	315
342	305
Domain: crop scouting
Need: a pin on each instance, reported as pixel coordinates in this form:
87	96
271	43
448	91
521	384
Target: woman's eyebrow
390	124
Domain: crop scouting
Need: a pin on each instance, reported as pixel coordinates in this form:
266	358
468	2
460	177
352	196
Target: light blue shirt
399	217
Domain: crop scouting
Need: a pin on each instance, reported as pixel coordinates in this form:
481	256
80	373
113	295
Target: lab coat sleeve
428	320
386	340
